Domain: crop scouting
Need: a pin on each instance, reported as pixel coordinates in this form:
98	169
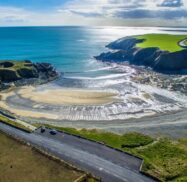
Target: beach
88	93
54	97
68	96
33	105
171	124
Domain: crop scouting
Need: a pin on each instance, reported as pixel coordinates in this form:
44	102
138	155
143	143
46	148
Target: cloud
127	9
12	19
100	7
13	15
162	14
85	14
100	12
171	3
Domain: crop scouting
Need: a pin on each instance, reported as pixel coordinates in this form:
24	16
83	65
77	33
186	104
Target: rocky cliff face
25	72
124	50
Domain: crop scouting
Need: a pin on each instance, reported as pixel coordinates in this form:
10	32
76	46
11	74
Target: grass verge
163	158
5	120
129	140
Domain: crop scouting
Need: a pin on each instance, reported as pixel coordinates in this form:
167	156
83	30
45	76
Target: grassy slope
20	163
10	122
18	64
165	42
163	158
21	64
166	160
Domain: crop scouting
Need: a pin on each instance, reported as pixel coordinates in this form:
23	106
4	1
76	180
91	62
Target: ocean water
71	50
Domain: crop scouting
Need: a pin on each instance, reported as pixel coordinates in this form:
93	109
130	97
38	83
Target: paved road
110	165
182	43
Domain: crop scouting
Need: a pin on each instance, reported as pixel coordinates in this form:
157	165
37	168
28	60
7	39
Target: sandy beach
55	97
68	96
172	124
19	112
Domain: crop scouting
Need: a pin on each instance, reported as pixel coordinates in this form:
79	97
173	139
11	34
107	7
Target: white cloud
129	9
100	7
98	12
11	14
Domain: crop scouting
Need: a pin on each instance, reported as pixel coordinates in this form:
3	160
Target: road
104	162
182	43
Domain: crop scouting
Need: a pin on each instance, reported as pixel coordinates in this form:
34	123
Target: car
42	129
53	132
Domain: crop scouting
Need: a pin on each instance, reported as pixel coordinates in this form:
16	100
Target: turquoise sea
71	50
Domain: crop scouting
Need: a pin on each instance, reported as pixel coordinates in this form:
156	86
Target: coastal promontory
25	73
161	52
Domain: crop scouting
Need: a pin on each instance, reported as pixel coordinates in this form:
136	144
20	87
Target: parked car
53	132
42	129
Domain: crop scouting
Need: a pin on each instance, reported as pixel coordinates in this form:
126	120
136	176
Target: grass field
163	158
164	42
19	162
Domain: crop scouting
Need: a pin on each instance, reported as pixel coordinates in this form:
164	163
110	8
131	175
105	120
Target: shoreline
68	96
172	123
148	122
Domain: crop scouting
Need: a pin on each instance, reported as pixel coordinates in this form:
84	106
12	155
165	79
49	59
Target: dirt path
182	43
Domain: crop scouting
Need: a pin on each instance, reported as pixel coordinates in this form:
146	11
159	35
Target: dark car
53	132
42	129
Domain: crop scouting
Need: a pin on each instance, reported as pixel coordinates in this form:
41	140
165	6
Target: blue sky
93	12
33	4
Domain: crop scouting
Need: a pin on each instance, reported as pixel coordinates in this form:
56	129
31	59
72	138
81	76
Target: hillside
162	52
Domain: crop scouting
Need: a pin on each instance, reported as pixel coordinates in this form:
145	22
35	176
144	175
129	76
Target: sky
93	13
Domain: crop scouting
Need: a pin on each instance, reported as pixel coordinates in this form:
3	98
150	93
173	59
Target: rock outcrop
25	72
125	50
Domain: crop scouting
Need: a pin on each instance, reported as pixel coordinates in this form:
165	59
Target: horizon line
24	26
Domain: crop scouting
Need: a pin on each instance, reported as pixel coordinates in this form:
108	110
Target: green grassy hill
164	42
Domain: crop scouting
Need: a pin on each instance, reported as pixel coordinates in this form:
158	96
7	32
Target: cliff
126	50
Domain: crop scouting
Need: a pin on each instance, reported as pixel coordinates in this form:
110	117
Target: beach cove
90	93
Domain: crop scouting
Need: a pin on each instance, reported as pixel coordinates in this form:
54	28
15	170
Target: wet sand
172	124
54	97
19	112
68	96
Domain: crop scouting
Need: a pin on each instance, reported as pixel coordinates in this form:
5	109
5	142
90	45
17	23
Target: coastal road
182	43
108	164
